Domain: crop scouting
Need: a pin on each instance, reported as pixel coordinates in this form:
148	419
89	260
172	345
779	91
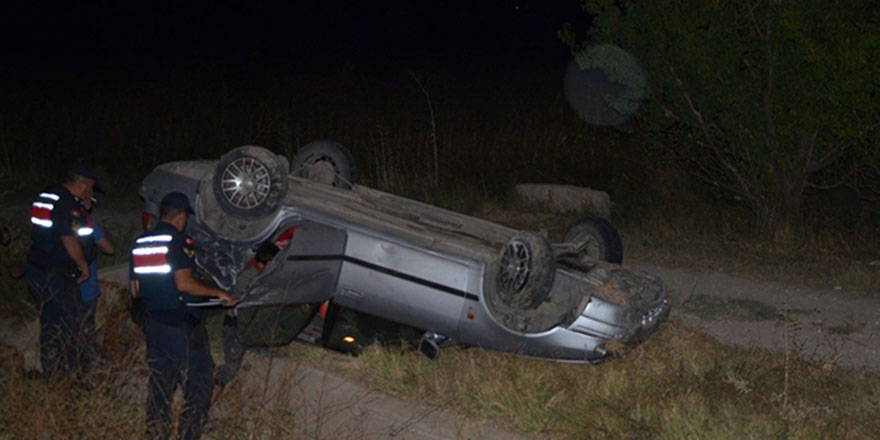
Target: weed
679	384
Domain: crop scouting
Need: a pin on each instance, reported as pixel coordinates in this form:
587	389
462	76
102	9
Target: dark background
94	36
128	85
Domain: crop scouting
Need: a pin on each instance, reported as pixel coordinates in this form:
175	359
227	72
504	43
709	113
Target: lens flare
605	85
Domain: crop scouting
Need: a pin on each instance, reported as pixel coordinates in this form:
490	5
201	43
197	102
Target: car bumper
586	339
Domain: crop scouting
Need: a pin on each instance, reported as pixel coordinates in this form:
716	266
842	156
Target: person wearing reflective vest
178	352
57	262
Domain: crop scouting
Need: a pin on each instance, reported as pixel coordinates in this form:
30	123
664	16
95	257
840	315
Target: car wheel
326	162
250	182
600	239
527	269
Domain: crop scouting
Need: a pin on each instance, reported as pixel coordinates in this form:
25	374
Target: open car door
283	299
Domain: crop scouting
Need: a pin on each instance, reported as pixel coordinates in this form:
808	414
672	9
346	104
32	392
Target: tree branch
744	186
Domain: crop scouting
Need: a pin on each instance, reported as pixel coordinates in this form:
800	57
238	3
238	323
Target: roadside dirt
823	326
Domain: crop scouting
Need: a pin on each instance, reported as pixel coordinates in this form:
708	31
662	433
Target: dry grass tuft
680	383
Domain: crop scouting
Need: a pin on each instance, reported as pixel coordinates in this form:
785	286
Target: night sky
191	79
156	35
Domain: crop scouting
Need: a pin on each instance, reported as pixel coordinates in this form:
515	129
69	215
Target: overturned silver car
457	279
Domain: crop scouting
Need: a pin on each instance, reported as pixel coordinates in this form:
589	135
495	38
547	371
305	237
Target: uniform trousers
178	354
64	352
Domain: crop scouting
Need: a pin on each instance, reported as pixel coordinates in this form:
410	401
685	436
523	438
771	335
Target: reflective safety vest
41	215
150	254
45	238
152	266
41	210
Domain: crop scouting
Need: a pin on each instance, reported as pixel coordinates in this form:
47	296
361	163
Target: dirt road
824	326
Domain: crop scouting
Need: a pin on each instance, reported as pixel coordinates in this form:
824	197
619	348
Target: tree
767	99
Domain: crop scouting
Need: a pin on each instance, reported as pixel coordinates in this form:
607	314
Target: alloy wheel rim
515	266
245	183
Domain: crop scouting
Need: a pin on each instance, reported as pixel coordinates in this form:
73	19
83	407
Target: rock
566	198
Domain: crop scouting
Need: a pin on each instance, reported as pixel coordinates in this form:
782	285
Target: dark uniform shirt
154	259
54	214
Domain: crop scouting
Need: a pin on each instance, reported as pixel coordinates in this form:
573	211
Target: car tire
526	272
249	182
601	239
327	162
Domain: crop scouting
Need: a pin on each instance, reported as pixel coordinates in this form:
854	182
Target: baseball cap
177	200
86	171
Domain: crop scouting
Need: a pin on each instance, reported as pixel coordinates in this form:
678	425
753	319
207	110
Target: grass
828	260
269	403
679	384
33	408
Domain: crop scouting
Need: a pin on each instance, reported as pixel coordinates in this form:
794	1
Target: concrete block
566	198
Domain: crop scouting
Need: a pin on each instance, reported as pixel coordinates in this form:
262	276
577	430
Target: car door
285	297
403	283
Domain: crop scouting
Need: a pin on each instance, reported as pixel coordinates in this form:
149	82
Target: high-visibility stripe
41	222
84	231
149	260
41	211
154	239
153	269
150	250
